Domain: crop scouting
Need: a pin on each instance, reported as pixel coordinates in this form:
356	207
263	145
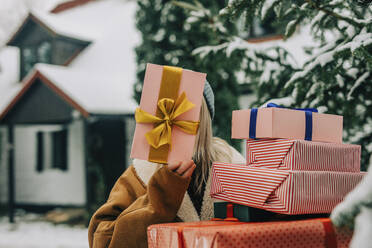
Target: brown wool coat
130	209
145	194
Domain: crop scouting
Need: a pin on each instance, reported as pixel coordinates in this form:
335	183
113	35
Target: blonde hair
207	148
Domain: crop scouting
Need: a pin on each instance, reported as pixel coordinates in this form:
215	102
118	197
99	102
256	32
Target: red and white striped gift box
282	191
303	155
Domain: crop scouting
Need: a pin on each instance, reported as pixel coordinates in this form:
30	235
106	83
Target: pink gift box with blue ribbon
277	122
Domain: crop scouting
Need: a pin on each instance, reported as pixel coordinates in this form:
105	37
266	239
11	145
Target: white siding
3	167
51	186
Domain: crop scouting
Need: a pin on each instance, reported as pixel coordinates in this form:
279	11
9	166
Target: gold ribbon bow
162	132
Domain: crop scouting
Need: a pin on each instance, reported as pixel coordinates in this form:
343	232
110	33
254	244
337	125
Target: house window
51	150
59	145
31	55
44	52
29	59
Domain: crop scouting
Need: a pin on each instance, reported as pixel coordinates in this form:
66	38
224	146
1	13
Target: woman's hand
184	168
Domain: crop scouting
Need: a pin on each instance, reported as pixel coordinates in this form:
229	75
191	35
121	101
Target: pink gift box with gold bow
168	115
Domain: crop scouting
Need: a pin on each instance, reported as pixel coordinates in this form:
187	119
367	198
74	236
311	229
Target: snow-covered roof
65	27
62	5
101	77
89	89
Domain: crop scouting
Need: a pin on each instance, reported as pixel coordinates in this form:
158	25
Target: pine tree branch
338	16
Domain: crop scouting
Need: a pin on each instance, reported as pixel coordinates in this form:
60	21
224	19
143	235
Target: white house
66	105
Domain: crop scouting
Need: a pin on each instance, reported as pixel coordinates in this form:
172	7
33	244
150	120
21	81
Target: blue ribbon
308	120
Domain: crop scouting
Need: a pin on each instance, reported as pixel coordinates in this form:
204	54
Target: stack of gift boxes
296	164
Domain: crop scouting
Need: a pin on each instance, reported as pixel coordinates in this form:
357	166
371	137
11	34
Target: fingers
189	171
174	166
184	169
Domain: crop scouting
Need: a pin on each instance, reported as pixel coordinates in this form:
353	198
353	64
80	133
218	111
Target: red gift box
221	234
282	191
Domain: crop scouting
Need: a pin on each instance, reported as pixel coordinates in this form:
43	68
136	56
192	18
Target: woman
148	193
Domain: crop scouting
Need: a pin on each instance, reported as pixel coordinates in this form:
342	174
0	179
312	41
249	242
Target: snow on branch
357	83
355	22
362	39
326	55
284	101
203	51
266	6
235	44
320	60
238	43
363	131
270	67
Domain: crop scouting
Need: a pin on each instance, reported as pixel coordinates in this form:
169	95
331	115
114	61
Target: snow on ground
32	232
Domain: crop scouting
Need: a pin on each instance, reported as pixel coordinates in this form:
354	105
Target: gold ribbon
161	134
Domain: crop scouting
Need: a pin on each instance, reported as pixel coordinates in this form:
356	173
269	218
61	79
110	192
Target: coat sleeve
123	220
